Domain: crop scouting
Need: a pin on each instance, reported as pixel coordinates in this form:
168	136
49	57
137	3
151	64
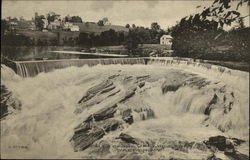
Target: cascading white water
47	119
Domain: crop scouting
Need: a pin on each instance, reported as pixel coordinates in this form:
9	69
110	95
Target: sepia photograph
125	79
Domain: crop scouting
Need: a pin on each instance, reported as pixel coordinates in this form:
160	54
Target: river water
28	53
45	124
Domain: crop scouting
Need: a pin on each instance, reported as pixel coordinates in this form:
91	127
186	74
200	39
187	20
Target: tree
51	18
133	26
127	26
84	39
109	37
100	23
39	22
132	40
4	26
155	26
105	20
75	19
219	12
200	36
240	22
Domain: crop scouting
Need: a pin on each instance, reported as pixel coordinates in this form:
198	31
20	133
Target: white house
67	25
166	40
74	28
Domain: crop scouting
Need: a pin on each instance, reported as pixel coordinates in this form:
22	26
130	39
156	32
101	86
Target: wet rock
200	146
83	127
127	79
99	87
102	114
170	86
227	145
84	139
219	142
128	94
213	157
95	127
89	132
86	98
129	119
213	101
142	84
129	139
107	89
127	116
103	148
102	87
114	76
140	78
113	93
110	124
9	103
237	155
197	82
237	141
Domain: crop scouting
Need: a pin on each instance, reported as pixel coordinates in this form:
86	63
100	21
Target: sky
119	12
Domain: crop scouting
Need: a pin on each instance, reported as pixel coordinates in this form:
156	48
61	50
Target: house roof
166	36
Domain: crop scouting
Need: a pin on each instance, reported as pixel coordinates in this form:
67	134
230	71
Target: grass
155	47
38	34
94	28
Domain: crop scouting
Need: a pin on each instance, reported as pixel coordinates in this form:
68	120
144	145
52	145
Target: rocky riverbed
125	111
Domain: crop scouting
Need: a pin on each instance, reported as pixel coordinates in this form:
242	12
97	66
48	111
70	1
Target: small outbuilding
166	40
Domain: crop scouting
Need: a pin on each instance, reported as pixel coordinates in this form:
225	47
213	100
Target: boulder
128	94
227	145
127	116
220	142
213	101
83	140
141	84
236	155
129	139
103	114
88	132
104	86
110	124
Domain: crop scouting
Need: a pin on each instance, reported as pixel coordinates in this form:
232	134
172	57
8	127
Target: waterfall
32	68
237	79
46	121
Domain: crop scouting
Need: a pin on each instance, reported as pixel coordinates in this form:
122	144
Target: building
166	40
67	25
74	28
45	23
54	25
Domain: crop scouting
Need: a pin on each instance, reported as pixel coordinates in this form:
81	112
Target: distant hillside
90	27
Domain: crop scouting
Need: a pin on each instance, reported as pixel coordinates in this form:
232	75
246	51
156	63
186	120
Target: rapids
45	125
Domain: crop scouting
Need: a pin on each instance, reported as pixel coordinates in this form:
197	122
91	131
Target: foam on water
47	120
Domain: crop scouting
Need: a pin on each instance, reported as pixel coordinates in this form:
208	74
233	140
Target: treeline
200	37
135	36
